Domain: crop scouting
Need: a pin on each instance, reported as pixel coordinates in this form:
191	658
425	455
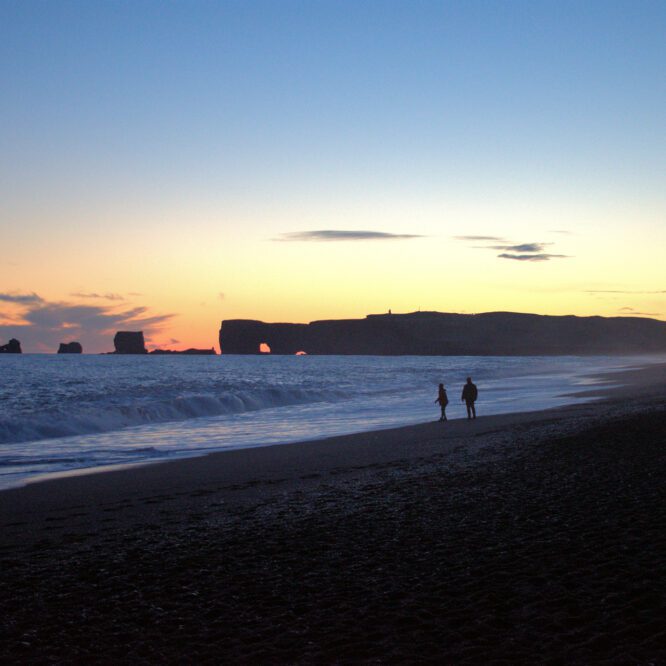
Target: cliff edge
448	334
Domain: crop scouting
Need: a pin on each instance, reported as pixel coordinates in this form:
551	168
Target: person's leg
469	409
473	411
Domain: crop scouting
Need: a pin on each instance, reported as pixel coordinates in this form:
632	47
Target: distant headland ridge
449	334
418	334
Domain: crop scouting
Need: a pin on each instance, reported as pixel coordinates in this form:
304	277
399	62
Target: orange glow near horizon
401	276
304	189
264	348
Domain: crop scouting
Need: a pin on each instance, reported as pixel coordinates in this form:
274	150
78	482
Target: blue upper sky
243	121
293	92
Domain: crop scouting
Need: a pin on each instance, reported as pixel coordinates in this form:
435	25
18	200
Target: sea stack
70	348
129	342
12	347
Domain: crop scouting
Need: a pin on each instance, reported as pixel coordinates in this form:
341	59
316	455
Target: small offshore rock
12	347
70	348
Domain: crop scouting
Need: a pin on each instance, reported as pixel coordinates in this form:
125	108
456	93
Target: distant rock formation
447	334
70	348
12	347
129	342
187	352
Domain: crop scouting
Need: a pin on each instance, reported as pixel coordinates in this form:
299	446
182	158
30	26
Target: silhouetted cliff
444	334
12	347
129	342
70	348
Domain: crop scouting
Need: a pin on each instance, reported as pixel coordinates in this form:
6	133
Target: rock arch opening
264	348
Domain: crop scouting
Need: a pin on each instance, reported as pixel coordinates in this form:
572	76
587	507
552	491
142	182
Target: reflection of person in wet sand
469	395
443	401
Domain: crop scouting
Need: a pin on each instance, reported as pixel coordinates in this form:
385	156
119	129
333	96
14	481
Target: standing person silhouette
469	395
443	401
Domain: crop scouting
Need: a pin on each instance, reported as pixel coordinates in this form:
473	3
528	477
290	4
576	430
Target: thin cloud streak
106	297
522	248
516	251
532	257
630	312
622	291
327	235
21	299
495	239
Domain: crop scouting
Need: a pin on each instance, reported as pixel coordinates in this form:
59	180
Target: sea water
70	412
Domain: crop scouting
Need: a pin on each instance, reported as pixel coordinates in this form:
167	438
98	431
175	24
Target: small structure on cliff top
12	347
70	348
129	342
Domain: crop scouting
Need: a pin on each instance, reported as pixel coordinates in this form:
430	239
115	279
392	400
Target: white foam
109	417
64	413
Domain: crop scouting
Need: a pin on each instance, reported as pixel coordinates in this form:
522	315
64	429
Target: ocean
61	413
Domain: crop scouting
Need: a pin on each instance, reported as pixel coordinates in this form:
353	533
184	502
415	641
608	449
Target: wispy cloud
21	299
106	297
635	313
523	247
543	256
496	239
623	291
341	235
42	324
8	317
526	252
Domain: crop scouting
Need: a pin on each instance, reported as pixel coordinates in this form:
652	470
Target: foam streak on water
65	412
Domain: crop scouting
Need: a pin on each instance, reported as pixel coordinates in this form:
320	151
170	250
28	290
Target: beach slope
518	539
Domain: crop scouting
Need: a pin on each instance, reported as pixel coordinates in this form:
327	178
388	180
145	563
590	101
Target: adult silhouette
469	395
443	401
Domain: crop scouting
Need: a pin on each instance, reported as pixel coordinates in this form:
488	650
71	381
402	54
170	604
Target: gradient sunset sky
166	165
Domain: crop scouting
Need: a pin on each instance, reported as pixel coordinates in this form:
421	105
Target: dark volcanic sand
536	549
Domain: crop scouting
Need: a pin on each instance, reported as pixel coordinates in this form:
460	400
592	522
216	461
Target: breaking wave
108	417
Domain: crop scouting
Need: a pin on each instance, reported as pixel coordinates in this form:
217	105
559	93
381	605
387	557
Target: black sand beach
526	538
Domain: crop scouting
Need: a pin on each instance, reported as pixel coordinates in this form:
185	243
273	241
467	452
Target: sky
167	165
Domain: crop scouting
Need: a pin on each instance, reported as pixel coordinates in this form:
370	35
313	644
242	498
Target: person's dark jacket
470	393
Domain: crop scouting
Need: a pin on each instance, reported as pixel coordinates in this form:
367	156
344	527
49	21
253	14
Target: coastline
60	438
284	553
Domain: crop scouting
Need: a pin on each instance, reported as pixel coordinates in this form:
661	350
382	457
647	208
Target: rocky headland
448	334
